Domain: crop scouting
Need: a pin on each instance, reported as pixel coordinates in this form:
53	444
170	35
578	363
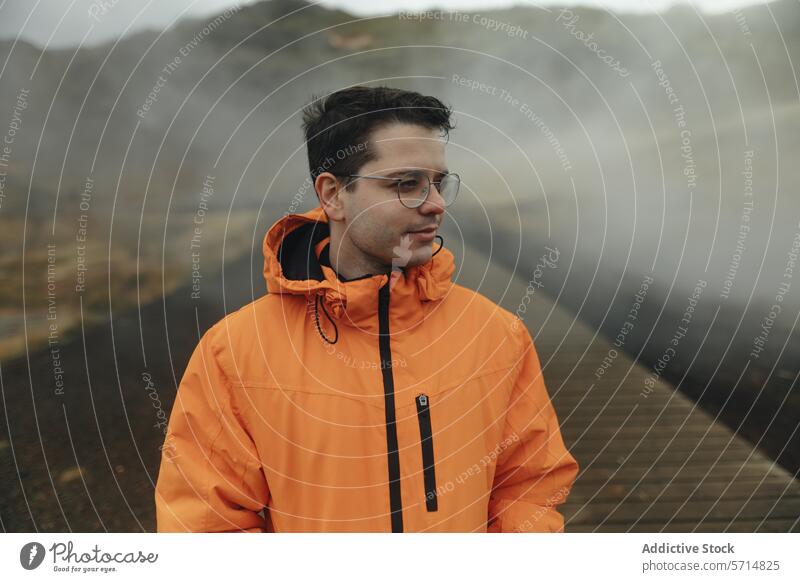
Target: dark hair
338	127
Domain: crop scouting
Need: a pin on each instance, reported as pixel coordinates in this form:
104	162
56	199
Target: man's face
377	223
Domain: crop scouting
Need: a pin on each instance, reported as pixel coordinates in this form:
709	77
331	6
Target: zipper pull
423	399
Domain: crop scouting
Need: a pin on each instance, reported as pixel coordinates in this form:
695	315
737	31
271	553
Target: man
366	391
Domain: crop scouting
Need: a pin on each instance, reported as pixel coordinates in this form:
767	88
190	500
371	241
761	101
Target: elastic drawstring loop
316	320
441	245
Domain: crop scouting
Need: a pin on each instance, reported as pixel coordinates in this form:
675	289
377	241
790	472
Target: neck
349	262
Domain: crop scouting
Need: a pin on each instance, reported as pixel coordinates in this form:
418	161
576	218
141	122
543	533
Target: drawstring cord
333	323
316	320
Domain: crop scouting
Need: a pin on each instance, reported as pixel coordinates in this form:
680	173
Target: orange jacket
428	412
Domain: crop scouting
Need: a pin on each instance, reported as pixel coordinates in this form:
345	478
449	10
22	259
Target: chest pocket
457	425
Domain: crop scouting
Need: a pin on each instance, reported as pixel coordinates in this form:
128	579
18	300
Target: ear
328	189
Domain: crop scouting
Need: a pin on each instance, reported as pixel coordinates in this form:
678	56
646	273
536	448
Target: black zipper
395	499
426	438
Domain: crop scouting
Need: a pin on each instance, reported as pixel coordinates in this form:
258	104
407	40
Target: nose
434	203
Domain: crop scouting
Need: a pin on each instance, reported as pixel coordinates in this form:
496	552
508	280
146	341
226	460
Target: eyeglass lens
414	187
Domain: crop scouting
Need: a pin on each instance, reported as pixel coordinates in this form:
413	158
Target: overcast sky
59	23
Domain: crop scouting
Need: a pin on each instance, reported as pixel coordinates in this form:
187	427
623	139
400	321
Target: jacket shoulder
472	306
240	334
479	304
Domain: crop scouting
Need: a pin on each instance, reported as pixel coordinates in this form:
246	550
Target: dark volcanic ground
106	421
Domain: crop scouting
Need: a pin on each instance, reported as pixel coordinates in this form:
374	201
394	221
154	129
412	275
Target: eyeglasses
414	186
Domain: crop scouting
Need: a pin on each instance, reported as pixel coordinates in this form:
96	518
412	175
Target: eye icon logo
31	555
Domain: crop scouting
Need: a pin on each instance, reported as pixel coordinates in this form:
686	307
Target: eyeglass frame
398	180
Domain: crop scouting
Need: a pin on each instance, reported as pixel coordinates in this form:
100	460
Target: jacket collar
296	263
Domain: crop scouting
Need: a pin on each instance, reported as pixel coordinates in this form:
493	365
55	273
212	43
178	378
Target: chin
421	256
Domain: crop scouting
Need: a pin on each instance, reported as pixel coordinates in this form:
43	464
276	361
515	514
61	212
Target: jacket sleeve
534	472
210	478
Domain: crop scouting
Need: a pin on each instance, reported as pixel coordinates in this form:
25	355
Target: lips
424	235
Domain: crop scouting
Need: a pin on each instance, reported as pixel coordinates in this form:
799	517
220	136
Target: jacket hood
296	263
